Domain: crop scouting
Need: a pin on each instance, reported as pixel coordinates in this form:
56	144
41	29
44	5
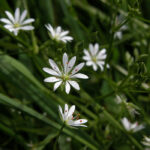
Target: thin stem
34	42
60	131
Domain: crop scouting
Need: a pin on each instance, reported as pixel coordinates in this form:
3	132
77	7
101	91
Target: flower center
94	59
16	25
65	77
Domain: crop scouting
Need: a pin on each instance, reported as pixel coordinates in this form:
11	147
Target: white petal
118	35
23	15
80	121
50	28
96	48
5	21
74	84
134	125
101	57
89	63
9	27
65	62
101	53
80	75
28	21
94	67
50	71
86	58
126	123
71	111
15	32
147	138
86	53
77	68
66	108
64	33
70	122
67	87
57	84
101	64
91	48
79	125
139	127
60	110
67	38
17	14
51	79
54	66
27	28
10	16
58	30
66	112
108	66
71	63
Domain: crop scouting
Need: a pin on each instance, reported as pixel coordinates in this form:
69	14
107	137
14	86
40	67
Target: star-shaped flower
131	127
68	117
58	34
67	75
95	57
17	22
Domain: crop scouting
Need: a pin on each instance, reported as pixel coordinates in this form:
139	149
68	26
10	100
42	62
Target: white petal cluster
146	141
58	34
68	117
17	22
95	57
67	75
131	127
119	33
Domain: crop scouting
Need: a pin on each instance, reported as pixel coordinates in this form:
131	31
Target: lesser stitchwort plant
58	34
17	22
131	127
95	57
67	75
68	118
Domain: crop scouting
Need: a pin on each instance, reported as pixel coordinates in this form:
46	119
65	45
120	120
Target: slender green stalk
59	132
34	42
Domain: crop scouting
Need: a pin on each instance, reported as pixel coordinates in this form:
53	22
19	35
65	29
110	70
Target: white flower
132	127
119	33
68	117
146	141
17	22
66	75
120	99
95	57
58	34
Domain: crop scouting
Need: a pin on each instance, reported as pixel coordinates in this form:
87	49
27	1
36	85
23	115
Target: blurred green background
29	117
